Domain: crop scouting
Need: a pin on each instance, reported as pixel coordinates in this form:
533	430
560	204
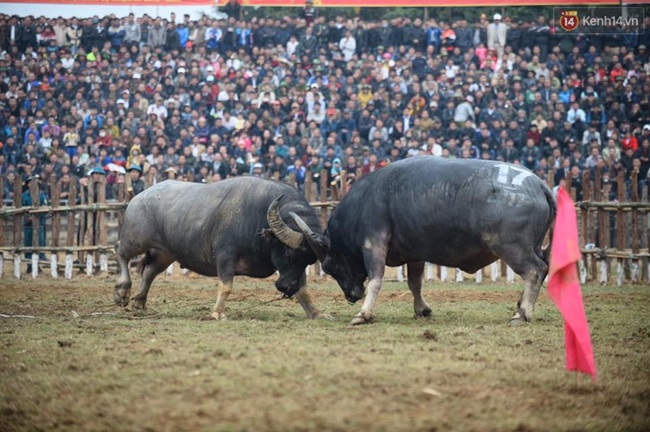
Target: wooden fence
82	229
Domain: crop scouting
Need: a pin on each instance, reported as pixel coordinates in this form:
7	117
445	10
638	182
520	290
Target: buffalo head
292	255
349	274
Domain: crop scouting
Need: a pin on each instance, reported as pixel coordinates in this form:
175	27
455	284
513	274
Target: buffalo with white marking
232	227
455	213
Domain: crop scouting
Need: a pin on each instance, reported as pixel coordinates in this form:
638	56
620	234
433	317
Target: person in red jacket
629	141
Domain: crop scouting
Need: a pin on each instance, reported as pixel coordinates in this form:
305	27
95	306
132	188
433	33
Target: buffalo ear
323	242
266	233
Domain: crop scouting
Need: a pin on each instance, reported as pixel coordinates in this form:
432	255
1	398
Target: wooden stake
18	221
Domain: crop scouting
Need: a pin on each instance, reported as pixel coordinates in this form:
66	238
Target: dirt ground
77	362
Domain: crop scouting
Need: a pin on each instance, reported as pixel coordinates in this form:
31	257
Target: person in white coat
348	46
496	35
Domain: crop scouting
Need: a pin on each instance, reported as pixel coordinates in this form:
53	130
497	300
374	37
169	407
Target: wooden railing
81	231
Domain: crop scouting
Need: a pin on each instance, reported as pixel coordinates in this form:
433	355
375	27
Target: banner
429	3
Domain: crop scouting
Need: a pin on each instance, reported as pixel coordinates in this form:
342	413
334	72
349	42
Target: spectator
497	35
183	94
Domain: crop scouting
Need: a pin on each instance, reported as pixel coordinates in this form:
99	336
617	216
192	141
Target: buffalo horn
279	228
316	242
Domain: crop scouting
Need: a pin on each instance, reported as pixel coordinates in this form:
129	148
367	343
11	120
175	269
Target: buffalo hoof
362	318
121	298
218	316
122	293
424	313
322	316
138	304
516	322
518	318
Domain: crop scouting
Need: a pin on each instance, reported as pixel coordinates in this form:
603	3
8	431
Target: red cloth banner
429	3
564	287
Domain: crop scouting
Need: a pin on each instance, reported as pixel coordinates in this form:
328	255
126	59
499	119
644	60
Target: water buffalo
456	213
232	227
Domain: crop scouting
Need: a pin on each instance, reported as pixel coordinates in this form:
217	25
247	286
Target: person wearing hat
257	169
137	185
497	35
464	111
28	219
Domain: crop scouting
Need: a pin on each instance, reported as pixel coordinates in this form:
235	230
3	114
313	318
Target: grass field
82	364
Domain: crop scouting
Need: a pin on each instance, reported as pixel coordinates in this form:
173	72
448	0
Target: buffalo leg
415	274
374	258
533	270
154	263
123	285
304	299
226	276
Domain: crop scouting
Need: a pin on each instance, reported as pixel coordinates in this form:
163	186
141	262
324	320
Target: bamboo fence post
620	225
70	240
429	272
460	277
494	271
634	262
34	192
600	241
128	187
91	219
645	274
2	229
510	275
83	222
444	273
308	186
606	228
101	224
18	223
550	181
344	184
584	213
121	197
55	193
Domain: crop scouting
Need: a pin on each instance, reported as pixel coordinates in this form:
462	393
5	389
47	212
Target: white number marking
518	180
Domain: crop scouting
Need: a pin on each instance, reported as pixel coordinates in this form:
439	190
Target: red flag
564	287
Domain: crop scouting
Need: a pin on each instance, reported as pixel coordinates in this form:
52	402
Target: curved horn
317	242
279	228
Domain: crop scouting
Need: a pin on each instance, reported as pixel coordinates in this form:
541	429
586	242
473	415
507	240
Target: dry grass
271	369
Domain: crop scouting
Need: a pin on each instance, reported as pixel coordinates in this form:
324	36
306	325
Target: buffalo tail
550	224
146	260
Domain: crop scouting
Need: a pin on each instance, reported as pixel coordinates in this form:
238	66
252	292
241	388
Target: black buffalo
229	228
456	213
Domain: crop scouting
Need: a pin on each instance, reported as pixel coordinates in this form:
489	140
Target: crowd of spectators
209	99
